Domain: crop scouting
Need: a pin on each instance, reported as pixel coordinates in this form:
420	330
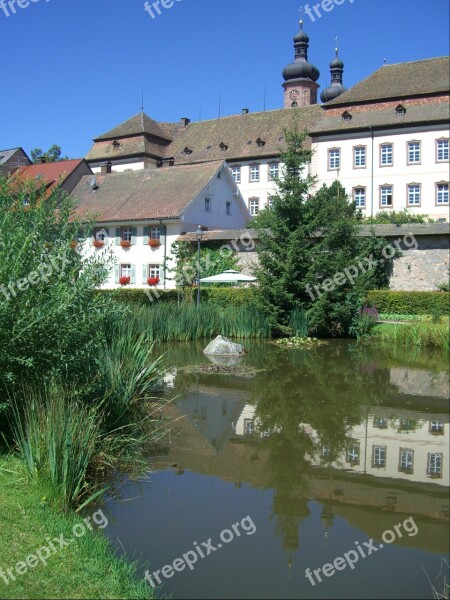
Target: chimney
42	160
245	111
184	122
106	168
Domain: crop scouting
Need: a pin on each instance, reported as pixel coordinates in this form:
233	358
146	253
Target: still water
322	450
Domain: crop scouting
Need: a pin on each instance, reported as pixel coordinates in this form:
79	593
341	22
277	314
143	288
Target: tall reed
57	437
298	322
421	334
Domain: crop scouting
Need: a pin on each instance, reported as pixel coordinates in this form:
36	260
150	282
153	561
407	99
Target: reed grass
186	322
298	322
425	334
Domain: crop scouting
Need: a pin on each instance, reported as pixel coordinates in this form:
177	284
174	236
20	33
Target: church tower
300	87
336	88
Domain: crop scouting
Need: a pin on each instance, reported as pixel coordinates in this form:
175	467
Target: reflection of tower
327	520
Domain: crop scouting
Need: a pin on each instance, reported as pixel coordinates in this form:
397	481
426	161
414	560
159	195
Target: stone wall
424	263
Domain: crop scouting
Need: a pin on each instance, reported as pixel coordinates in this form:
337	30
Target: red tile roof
45	174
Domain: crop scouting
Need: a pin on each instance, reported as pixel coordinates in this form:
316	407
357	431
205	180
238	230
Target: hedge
222	296
409	303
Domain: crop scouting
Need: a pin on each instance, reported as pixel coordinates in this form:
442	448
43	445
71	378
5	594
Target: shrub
412	303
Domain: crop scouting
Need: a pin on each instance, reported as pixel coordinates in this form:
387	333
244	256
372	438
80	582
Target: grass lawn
86	568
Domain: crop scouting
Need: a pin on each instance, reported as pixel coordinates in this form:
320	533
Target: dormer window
187	151
260	143
223	147
346	117
116	144
400	111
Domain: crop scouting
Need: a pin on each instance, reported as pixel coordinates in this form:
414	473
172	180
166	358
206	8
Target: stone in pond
222	346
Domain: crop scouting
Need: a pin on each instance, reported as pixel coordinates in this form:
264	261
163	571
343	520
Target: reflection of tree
328	389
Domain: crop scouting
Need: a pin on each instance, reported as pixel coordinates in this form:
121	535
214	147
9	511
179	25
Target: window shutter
133	273
134	236
146	235
116	274
144	274
162	238
118	236
162	275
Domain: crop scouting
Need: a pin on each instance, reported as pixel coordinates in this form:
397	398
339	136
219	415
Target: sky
74	69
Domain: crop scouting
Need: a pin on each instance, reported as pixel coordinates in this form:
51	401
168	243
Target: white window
153	271
353	453
155	233
379	456
236	173
434	464
125	271
386	196
274	170
359	196
270	202
100	235
413	153
442	150
359	157
208	204
442	193
334	159
413	194
254	173
386	155
228	208
248	427
380	423
127	233
437	427
406	460
253	206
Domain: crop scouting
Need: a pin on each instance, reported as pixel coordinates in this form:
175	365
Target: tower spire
337	69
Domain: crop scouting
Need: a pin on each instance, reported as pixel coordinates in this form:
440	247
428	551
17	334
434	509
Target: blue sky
73	69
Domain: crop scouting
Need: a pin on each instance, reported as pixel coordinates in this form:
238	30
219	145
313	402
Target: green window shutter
118	235
134	236
116	274
133	273
144	274
162	275
162	238
146	235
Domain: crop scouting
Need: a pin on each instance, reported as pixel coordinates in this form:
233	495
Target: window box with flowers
125	244
153	281
98	244
154	243
125	280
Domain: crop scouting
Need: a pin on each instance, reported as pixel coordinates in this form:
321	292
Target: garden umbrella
229	277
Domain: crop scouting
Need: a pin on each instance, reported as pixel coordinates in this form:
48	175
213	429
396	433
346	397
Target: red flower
125	280
154	243
153	280
125	244
98	244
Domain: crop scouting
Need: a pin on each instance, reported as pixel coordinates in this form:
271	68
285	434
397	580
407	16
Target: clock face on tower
294	95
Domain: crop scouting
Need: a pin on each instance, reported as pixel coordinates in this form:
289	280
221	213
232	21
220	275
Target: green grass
424	334
186	322
85	569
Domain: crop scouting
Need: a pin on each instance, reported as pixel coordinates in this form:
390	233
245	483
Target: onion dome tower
336	88
300	87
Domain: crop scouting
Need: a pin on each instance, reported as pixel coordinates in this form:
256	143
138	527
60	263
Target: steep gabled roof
402	80
414	115
47	174
138	125
143	195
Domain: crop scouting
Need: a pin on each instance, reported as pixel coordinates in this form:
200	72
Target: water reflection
322	448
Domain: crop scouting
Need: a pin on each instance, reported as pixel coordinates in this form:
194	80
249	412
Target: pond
319	473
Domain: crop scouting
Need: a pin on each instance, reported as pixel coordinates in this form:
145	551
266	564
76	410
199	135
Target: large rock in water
222	346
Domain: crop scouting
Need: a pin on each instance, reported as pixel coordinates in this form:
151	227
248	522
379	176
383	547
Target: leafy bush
412	303
364	322
401	217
